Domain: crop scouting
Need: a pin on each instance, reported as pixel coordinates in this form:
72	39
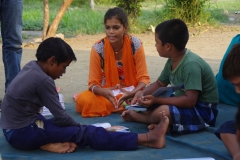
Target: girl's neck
117	47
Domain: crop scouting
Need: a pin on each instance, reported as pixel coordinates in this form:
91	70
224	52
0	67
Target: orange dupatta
110	67
91	105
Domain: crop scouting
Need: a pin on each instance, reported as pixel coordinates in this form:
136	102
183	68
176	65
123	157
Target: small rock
29	45
225	11
37	40
60	35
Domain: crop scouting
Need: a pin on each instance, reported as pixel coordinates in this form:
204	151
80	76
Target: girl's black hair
173	31
55	47
231	66
117	13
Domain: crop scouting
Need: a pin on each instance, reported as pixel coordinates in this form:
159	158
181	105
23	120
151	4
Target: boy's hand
138	95
146	101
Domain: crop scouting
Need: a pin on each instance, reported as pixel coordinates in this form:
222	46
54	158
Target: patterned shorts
188	120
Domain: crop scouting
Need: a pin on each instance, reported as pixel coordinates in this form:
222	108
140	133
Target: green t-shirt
193	73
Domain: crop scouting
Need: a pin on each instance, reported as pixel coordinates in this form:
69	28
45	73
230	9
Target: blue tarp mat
201	144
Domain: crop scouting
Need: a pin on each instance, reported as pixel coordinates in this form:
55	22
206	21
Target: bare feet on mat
156	137
129	115
152	126
66	147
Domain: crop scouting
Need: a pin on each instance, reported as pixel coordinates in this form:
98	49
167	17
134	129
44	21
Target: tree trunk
45	19
92	4
52	29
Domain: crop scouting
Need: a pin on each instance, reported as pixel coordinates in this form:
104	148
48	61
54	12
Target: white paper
46	112
117	91
104	125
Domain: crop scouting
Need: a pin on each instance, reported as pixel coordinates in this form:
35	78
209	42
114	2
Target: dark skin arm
126	95
106	92
147	91
189	99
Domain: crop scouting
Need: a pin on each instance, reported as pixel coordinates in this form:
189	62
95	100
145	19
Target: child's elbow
191	104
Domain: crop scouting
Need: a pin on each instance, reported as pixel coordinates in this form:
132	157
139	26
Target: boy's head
231	67
55	47
54	55
173	31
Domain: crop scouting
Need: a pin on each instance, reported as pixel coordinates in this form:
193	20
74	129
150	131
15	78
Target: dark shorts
188	120
226	127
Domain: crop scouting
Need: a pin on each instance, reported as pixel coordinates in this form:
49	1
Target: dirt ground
210	45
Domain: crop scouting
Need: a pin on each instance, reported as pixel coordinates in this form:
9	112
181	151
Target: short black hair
117	13
173	31
231	66
55	47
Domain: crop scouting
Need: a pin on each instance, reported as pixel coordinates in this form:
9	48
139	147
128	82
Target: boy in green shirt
192	105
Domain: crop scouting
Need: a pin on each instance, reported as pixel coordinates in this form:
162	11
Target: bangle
94	87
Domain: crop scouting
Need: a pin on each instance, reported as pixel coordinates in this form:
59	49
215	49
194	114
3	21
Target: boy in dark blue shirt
34	87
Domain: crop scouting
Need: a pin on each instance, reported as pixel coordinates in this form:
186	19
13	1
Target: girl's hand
126	95
147	101
107	93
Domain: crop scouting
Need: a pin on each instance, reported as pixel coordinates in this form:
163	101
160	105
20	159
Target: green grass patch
80	19
222	10
83	21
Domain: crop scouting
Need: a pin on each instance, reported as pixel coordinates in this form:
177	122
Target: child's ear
168	46
52	60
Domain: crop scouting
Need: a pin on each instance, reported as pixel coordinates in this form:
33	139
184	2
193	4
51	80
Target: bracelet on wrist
94	87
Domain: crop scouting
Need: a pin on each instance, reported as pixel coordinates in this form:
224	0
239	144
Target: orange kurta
134	70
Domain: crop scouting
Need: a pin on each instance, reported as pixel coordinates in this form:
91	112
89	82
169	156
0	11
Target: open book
110	128
118	91
135	107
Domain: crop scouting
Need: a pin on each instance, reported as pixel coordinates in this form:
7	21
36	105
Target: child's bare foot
129	115
236	156
152	126
73	145
66	147
156	138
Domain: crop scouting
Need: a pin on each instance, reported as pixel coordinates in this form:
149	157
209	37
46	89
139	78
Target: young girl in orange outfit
116	61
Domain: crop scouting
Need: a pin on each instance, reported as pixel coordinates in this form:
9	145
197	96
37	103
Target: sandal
75	96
